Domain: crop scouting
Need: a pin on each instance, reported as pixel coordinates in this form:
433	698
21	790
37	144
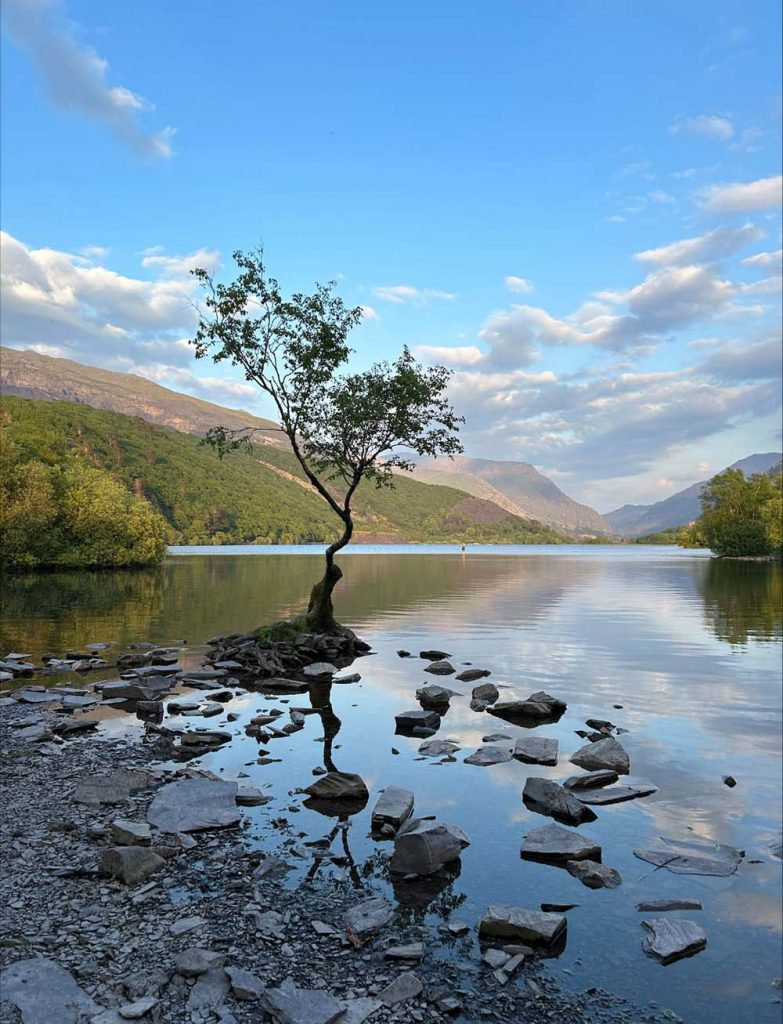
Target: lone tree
342	427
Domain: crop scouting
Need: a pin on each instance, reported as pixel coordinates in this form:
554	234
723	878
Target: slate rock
435	695
488	693
251	796
190	963
357	1011
338	786
393	807
291	1005
554	844
441	668
130	833
244	985
131	864
112	789
210	990
319	669
366	919
138	1009
673	904
539	705
536	750
433	655
413	951
424	846
405	986
409	720
489	755
45	993
438	748
544	796
533	927
594	875
614	794
192	805
606	753
469	675
693	857
670	939
591	780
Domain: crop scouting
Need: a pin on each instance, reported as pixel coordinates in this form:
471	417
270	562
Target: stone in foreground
422	847
394	806
338	786
558	845
130	833
111	789
533	927
669	940
486	756
131	864
405	986
606	753
193	805
536	750
45	993
547	797
366	919
602	796
693	857
594	875
291	1005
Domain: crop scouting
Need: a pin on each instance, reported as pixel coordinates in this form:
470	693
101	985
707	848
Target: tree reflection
743	600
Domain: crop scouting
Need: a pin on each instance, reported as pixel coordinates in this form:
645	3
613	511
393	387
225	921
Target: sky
575	205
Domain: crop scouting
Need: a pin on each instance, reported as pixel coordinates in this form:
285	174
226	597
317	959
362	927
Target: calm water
690	647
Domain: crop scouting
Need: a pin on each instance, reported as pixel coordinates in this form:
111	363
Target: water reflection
743	599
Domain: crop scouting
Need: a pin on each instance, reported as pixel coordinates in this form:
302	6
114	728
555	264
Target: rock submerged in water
434	695
433	655
487	693
604	754
424	846
441	668
594	875
556	845
439	748
469	675
338	786
489	755
673	904
536	750
669	940
538	706
614	794
547	797
533	927
591	780
407	721
693	857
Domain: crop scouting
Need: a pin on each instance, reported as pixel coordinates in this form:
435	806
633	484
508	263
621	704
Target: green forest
254	498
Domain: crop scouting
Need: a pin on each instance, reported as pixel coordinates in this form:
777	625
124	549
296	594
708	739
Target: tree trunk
320	611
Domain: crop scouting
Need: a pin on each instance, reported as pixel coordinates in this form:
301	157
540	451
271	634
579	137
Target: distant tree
342	427
741	516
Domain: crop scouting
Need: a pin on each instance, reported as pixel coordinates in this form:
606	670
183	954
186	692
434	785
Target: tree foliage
71	516
343	427
742	516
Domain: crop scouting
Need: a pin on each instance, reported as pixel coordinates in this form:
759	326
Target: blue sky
576	205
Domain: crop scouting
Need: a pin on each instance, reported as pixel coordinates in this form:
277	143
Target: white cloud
714	245
661	197
74	76
764	259
518	284
180	266
368	313
406	294
707	126
467	355
763	194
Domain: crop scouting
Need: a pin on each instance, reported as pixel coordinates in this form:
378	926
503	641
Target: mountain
30	375
682	507
517	487
261	497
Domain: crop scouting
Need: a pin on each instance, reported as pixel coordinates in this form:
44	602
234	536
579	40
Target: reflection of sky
596	627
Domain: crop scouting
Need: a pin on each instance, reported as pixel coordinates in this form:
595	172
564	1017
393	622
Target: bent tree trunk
320	611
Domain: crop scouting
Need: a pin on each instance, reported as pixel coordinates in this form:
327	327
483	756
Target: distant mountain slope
682	507
252	498
30	375
516	486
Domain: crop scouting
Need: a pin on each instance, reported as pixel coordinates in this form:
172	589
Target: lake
688	645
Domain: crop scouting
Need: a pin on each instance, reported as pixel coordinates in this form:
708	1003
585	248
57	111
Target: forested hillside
260	497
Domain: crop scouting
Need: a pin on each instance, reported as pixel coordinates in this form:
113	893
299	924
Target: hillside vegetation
257	498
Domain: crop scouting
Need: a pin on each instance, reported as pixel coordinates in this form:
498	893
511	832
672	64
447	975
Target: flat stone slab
594	875
486	756
338	786
45	993
438	748
319	668
606	753
366	919
557	845
544	796
669	939
536	750
693	857
614	794
674	904
192	805
112	789
407	720
592	780
291	1005
245	986
533	927
34	697
405	986
393	807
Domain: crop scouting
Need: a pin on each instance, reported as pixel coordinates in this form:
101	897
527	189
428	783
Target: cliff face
30	375
517	487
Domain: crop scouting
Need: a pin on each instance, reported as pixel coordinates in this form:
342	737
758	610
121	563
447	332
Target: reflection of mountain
743	600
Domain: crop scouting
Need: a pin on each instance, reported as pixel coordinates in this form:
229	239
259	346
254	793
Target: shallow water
690	647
